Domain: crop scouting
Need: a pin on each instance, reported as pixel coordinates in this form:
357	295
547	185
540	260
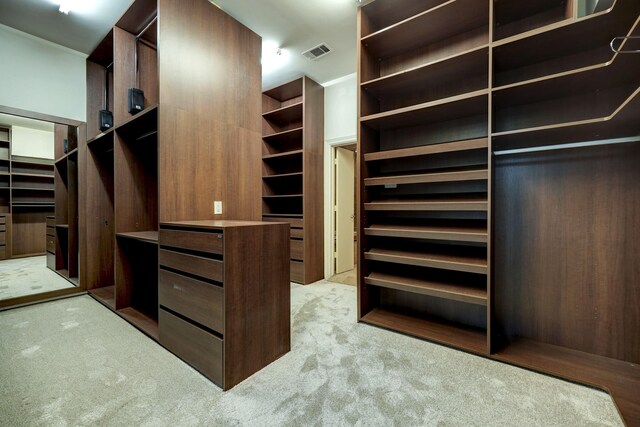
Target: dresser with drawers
224	295
5	236
51	242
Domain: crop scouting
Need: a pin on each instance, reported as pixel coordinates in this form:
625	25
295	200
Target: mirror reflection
38	207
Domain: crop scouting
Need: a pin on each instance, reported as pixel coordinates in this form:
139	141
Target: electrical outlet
217	207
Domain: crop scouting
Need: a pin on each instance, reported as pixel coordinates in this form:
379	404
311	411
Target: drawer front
51	231
3	219
195	346
297	233
193	240
3	227
293	222
204	267
3	238
3	252
51	261
297	271
297	249
51	244
51	222
199	301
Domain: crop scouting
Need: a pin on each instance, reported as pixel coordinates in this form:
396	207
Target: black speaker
136	100
106	120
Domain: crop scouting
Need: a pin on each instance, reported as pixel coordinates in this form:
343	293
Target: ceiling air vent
317	52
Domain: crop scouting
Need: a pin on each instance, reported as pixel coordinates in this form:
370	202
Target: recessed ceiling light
75	6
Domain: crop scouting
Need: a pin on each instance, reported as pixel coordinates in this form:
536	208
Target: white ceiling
293	25
81	30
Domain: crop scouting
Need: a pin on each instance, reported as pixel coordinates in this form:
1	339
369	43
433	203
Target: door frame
329	196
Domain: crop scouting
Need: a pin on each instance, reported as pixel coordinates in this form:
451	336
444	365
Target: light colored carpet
347	278
72	362
27	276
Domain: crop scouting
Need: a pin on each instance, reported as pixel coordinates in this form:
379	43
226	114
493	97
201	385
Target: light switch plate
217	207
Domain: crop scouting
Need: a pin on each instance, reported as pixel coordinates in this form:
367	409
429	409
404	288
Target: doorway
344	209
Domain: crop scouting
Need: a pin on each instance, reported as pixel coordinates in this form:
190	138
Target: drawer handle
178	288
219	236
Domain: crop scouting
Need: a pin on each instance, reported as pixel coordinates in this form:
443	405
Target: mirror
39	256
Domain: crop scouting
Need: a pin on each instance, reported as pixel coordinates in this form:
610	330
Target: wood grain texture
313	181
255	292
99	237
209	119
197	300
197	265
257	299
570	232
197	347
124	72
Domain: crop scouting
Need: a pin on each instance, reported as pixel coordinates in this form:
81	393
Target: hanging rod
624	39
567	146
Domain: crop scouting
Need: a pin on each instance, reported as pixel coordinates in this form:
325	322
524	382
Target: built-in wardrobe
499	144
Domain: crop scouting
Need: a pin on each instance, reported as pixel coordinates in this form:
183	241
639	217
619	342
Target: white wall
31	142
340	128
40	76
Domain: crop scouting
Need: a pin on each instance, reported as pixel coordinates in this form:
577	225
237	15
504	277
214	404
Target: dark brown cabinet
224	295
292	171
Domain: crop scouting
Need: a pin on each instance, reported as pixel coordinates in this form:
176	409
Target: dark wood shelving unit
190	136
31	201
424	171
292	170
473	193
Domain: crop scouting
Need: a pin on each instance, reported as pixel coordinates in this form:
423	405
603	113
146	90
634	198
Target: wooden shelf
455	107
428	205
287	91
426	150
431	75
561	40
458	336
620	71
621	123
471	175
31	175
513	17
468	264
31	189
143	236
284	115
274	215
98	139
284	137
427	27
102	142
31	161
284	175
621	379
141	125
447	233
283	155
141	321
281	196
